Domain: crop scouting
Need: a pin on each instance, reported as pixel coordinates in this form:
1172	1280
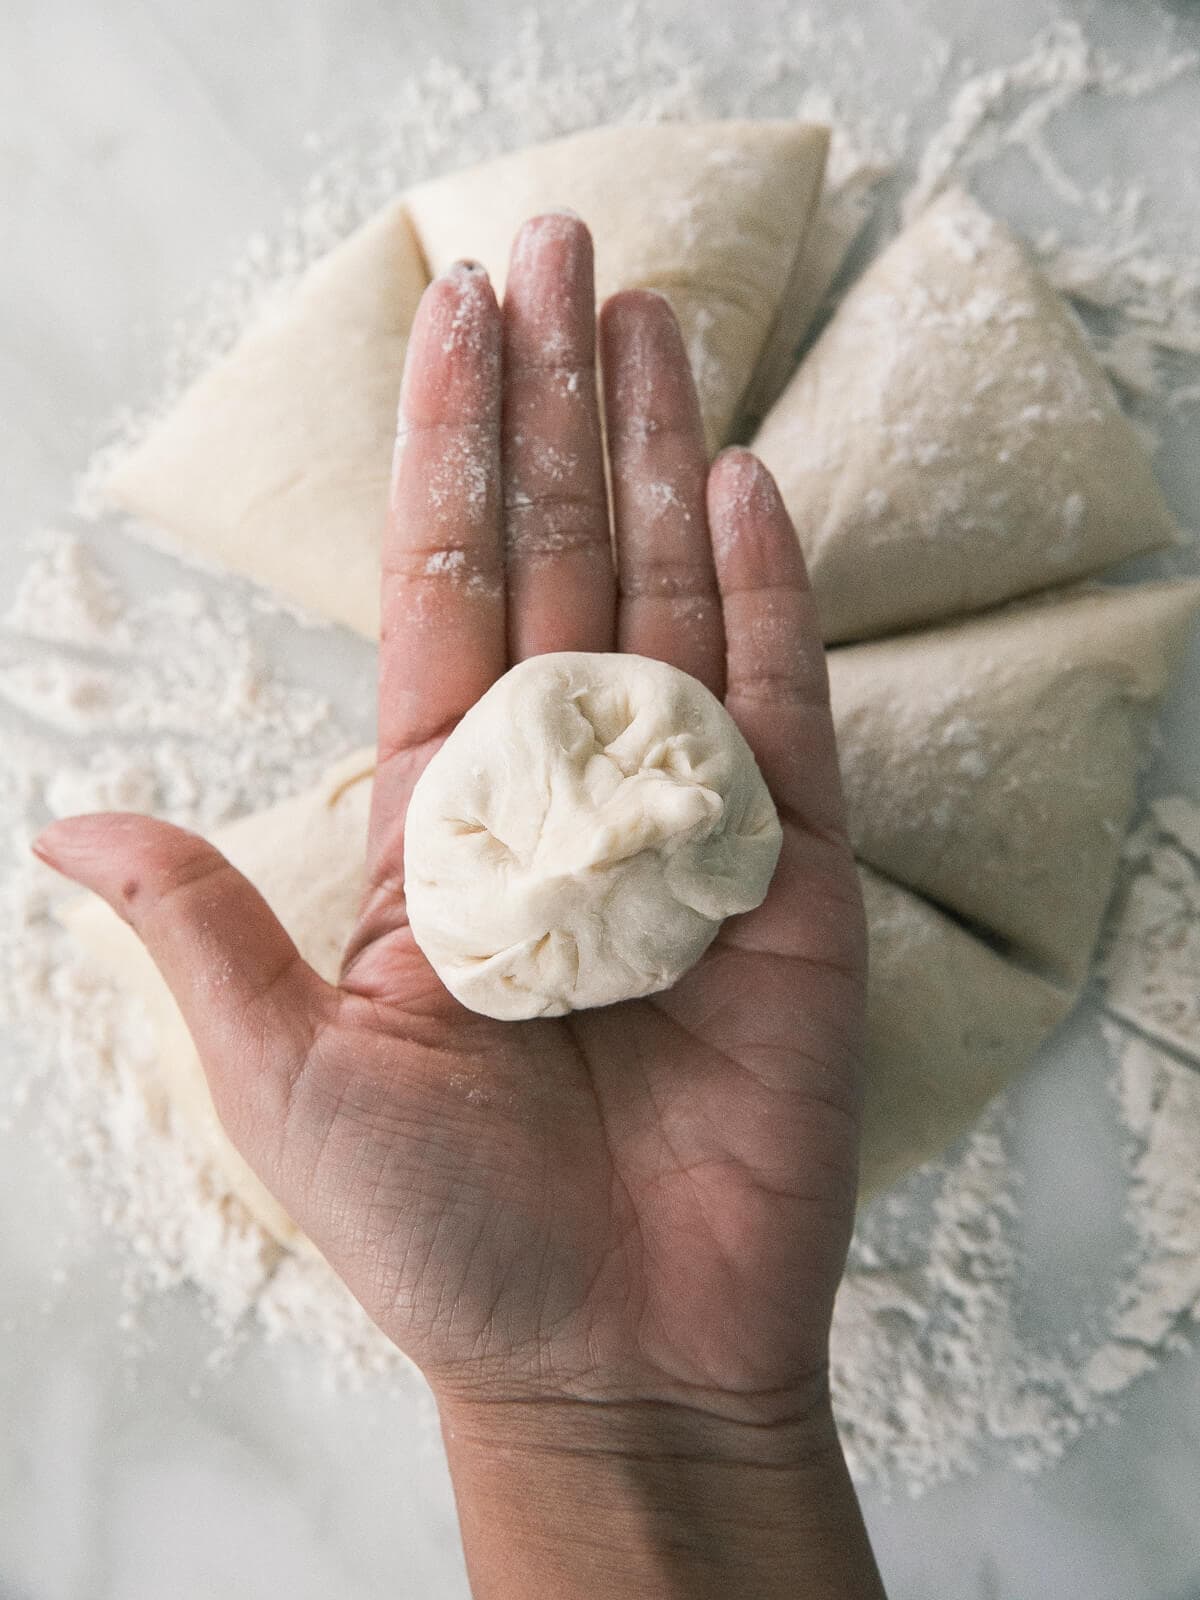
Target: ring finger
669	606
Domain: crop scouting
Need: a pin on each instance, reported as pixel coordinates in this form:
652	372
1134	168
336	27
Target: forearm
565	1500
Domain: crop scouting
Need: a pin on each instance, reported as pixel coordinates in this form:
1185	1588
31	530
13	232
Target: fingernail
57	845
465	267
71	839
543	237
748	488
40	847
744	482
741	464
639	309
551	215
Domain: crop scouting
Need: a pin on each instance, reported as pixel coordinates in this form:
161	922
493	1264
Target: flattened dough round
582	834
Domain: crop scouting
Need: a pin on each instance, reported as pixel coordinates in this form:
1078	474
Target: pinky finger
777	688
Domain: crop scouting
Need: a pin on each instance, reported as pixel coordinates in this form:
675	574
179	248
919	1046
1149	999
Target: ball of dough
582	834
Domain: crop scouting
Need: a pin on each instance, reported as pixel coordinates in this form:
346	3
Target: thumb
245	992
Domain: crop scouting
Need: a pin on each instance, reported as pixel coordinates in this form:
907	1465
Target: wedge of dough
950	441
949	1022
991	764
713	215
838	221
307	856
276	462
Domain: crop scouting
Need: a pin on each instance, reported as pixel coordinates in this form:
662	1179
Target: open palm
651	1200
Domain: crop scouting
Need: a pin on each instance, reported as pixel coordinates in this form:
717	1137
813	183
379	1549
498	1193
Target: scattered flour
1013	106
1159	1298
166	704
934	1377
927	1316
1122	267
926	1327
1152	960
158	704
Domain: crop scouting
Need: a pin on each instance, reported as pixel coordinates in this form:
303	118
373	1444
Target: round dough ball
582	834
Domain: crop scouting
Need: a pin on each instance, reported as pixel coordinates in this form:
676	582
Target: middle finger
561	585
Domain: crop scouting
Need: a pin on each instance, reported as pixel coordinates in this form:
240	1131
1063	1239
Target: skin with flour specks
611	1241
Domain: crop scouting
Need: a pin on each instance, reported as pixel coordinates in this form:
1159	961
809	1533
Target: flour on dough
949	1022
991	764
950	441
275	464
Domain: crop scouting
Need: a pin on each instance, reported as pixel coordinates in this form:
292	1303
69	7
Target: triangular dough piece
950	441
991	764
711	214
307	856
276	462
838	220
949	1022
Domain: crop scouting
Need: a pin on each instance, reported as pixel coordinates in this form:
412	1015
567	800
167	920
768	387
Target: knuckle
554	522
647	578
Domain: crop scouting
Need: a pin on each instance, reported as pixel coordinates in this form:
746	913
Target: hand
645	1207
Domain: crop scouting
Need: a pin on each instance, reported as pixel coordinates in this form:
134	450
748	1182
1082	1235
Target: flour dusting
1151	964
161	704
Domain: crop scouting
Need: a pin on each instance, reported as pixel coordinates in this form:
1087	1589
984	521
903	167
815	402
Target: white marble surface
140	143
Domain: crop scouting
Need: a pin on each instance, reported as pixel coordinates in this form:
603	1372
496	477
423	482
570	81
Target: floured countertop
1017	1393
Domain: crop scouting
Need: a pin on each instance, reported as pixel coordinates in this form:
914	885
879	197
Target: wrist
783	1432
638	1498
